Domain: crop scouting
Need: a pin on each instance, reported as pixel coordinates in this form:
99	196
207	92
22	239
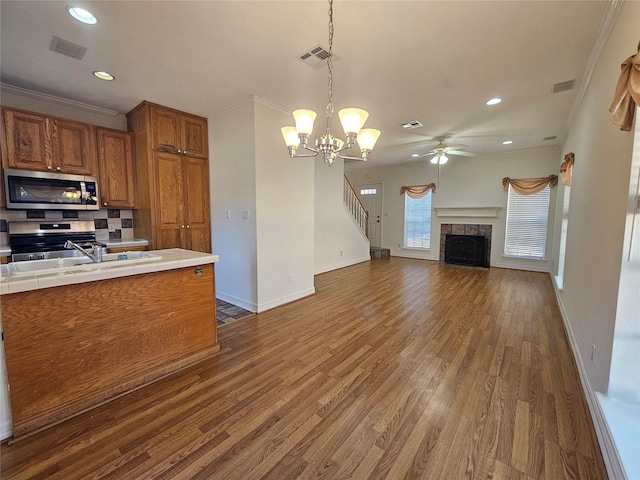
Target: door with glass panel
371	197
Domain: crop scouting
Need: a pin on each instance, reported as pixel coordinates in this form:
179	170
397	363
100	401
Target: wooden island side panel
73	347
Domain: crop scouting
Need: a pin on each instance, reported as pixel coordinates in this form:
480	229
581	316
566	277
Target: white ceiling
432	61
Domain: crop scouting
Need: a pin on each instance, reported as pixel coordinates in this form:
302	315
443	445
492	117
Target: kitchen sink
74	264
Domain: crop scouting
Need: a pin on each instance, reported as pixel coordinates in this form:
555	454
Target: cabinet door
196	194
28	141
170	208
74	147
115	163
165	125
194	137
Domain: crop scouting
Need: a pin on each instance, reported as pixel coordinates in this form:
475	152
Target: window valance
418	191
566	169
529	186
627	93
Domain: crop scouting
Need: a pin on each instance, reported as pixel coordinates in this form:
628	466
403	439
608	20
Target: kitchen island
83	335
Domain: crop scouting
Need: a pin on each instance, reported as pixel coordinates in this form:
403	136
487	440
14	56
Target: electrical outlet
290	279
245	214
228	214
340	252
112	227
593	354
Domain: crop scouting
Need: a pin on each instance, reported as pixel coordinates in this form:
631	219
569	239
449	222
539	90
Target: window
563	235
417	221
368	191
526	235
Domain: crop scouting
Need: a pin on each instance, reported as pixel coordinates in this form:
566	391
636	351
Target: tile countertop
5	250
132	242
171	259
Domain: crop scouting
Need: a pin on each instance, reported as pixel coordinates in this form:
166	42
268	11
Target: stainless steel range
42	240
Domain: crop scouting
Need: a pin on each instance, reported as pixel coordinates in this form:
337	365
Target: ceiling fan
441	151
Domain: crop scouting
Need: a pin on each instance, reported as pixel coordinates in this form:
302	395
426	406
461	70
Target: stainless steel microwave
27	189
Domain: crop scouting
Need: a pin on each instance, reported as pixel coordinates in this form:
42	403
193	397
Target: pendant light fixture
352	120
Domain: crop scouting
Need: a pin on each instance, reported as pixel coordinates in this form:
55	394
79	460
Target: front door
371	197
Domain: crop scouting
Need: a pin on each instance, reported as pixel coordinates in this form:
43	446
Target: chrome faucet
95	256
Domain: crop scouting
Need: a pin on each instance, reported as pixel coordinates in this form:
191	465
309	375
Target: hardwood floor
394	369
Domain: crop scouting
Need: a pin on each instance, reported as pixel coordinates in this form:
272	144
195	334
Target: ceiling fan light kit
352	120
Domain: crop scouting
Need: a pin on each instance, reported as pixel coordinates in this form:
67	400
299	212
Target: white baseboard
529	267
409	254
610	455
286	299
239	302
5	429
348	263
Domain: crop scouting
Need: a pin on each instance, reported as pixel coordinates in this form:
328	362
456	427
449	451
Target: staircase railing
355	207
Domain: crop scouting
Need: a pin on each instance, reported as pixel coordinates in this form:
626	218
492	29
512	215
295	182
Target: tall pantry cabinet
172	170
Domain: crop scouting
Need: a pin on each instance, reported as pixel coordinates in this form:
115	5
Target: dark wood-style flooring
394	369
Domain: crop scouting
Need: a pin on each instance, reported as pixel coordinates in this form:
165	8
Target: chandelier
352	120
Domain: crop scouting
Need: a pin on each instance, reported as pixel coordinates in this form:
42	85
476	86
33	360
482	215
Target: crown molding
608	22
250	99
59	100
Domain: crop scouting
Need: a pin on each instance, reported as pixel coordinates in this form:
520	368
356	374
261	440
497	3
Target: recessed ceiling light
415	155
104	75
493	101
82	15
507	142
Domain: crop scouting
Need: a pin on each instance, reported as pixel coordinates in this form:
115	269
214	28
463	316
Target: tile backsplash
120	222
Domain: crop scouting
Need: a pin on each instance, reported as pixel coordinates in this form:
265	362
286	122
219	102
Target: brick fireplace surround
465	229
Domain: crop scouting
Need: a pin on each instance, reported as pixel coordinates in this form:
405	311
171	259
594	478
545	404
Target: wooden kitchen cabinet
117	169
177	132
39	142
173	178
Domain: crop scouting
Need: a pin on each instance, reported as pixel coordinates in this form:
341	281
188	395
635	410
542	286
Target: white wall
597	214
284	214
338	241
266	246
464	182
233	191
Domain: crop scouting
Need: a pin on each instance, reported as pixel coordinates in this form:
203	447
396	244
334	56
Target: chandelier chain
329	62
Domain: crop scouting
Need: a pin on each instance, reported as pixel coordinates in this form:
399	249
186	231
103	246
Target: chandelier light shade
440	159
352	120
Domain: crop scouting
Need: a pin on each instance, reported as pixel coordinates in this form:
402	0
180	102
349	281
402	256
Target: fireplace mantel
472	212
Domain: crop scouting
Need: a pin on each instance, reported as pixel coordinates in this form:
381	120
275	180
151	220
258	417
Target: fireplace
465	244
470	250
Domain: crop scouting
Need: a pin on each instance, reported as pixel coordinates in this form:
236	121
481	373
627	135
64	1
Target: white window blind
417	221
527	215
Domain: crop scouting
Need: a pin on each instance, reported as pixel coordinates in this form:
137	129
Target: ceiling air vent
316	57
67	48
551	137
412	124
563	86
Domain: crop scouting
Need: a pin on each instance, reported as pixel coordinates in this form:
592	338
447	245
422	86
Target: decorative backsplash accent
120	222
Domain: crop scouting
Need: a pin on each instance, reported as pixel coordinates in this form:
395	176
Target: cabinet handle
182	226
58	168
49	167
105	204
188	226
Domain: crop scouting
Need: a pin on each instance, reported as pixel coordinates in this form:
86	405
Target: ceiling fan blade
462	153
455	147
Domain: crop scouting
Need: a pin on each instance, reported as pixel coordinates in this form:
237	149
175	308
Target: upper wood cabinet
178	132
173	178
40	142
117	169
